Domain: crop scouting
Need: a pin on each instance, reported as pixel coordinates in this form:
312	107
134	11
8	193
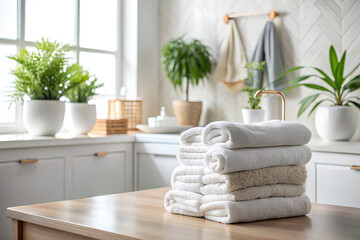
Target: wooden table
141	215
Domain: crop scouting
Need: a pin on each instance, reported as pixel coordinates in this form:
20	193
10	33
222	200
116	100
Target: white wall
306	30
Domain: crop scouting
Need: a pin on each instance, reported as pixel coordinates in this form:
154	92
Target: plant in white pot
339	120
189	62
44	76
80	116
253	113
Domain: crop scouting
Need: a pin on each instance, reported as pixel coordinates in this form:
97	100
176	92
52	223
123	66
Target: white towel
255	210
225	183
191	155
265	134
182	202
187	178
231	69
192	137
251	193
220	160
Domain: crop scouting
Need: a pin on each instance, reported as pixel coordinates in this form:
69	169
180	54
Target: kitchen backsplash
306	30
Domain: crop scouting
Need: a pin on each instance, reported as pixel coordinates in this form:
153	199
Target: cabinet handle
99	154
33	160
355	167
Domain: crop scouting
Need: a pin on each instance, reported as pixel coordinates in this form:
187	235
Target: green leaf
355	104
333	60
306	102
318	87
352	71
315	106
280	77
353	84
300	79
339	78
326	78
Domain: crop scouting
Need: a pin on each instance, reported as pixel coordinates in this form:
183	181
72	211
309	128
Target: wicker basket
131	110
105	126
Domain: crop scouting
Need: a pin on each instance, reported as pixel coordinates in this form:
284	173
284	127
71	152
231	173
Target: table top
141	215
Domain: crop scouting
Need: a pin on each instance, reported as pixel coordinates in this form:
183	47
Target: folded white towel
265	134
255	210
192	137
220	160
251	193
191	155
187	178
182	202
225	183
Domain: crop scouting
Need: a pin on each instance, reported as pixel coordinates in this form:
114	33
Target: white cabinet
154	163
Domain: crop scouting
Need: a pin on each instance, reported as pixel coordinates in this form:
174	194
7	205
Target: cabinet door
154	164
338	185
98	175
29	183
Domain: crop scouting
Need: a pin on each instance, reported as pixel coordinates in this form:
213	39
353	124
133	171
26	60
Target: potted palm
339	120
188	62
253	113
44	76
80	116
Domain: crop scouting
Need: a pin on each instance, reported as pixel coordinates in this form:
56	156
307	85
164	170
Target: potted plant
253	113
44	76
187	62
339	120
80	116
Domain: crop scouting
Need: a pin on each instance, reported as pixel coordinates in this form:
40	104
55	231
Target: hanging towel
251	193
182	202
187	178
225	183
221	160
268	50
191	155
192	137
255	210
231	65
264	134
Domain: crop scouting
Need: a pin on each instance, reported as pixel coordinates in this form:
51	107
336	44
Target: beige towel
251	193
225	183
230	69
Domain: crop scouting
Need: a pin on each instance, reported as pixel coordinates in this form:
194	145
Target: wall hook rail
272	15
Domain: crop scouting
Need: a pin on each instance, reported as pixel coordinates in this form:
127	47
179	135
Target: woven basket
131	110
105	126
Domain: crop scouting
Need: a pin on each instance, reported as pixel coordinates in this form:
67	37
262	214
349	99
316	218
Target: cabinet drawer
338	185
29	183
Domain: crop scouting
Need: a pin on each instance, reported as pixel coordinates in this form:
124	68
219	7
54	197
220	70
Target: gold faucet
258	93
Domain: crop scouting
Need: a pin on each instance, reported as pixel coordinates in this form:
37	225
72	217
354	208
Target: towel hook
258	93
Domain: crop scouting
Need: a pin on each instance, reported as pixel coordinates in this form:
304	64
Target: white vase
80	118
252	115
43	117
336	123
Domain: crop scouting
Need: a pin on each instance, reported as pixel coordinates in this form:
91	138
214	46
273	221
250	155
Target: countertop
141	215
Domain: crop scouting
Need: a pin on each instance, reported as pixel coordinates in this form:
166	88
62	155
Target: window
91	27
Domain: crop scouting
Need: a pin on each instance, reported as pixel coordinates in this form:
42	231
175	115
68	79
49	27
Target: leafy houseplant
80	117
188	62
44	76
253	113
342	121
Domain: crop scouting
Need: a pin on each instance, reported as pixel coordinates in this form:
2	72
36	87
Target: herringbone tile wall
306	28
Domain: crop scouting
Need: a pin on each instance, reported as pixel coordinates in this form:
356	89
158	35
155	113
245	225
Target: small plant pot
252	115
80	118
43	117
336	123
187	113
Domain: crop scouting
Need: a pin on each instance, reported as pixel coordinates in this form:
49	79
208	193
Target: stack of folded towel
252	172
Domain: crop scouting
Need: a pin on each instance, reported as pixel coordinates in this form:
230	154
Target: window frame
20	43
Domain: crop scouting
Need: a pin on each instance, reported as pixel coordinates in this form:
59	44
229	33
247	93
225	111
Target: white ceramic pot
79	117
336	123
252	115
43	117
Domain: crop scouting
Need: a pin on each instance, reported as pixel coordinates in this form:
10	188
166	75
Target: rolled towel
225	183
251	193
187	178
191	155
255	210
192	137
220	160
265	134
182	202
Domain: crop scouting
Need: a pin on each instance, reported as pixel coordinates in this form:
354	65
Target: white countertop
24	140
